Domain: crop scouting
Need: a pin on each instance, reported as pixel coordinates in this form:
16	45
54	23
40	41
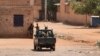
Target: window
18	20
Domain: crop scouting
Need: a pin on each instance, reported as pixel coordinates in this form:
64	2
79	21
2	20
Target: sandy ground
24	47
78	32
82	42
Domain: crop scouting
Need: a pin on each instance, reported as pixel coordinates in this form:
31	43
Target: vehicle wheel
53	48
37	48
34	47
40	48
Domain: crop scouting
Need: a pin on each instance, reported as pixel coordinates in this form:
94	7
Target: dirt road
24	47
82	42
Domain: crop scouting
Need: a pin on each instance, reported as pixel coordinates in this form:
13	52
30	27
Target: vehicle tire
40	48
53	48
34	47
37	48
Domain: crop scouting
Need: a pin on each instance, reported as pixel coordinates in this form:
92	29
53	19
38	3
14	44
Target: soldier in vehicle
37	28
46	32
46	28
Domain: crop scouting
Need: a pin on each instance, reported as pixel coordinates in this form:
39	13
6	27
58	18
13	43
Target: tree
52	9
88	7
57	1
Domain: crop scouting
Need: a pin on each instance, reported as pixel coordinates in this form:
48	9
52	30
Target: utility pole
45	10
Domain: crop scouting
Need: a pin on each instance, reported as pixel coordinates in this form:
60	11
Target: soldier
45	33
46	27
37	27
30	29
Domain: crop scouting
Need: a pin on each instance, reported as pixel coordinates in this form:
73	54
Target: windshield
45	33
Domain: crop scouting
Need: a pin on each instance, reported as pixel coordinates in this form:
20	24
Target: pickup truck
44	38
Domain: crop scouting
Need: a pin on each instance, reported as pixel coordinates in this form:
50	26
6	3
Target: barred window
18	20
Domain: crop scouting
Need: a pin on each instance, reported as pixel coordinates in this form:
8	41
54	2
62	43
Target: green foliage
57	1
50	5
91	7
52	9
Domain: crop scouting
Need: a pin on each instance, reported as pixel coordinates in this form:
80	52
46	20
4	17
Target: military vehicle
44	38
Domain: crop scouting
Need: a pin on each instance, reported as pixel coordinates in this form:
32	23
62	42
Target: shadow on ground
16	37
43	50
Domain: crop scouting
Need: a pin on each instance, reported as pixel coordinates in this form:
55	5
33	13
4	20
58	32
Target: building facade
66	14
16	16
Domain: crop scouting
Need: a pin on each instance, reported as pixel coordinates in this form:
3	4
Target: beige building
17	15
65	13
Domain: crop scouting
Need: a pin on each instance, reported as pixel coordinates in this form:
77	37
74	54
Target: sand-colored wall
70	16
37	8
14	2
36	11
7	12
